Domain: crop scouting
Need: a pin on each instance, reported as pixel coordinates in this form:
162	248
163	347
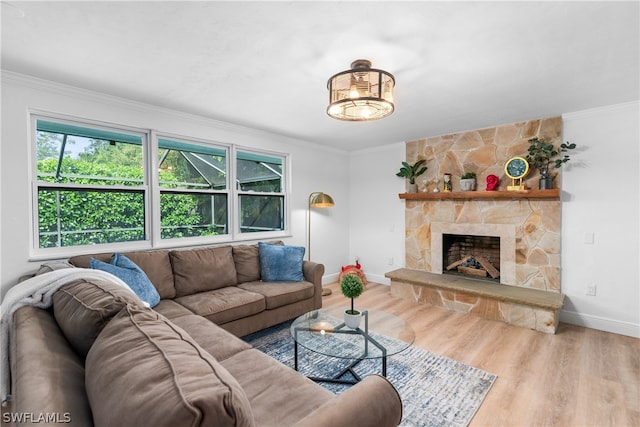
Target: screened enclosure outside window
90	185
97	185
261	199
193	189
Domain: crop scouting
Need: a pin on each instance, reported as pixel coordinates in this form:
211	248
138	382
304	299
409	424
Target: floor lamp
317	199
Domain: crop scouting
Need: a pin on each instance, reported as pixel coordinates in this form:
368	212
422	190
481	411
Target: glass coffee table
323	331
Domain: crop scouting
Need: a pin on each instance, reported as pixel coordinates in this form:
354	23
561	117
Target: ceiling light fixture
362	93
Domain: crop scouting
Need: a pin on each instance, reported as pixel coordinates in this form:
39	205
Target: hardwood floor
578	377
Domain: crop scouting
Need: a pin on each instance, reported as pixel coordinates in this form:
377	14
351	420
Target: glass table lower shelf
323	331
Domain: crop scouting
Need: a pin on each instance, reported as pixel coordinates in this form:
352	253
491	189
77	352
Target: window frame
157	189
151	189
284	192
43	253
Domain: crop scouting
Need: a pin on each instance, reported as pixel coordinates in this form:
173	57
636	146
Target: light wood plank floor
578	377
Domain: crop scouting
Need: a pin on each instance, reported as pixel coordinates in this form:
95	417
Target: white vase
352	320
413	188
468	184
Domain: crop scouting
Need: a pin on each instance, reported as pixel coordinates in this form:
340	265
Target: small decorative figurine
492	182
447	183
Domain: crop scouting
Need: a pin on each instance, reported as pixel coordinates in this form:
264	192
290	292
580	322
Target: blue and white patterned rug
435	390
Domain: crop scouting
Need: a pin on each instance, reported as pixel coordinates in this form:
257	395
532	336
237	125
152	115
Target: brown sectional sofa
223	285
99	357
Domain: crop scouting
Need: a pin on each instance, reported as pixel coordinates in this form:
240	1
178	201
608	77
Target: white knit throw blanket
38	292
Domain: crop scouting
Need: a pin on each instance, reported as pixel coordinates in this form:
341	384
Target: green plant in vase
352	287
543	154
411	172
468	181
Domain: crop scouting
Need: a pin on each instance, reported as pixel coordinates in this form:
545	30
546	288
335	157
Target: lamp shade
362	93
320	200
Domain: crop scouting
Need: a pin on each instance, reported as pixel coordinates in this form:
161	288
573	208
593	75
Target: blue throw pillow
127	271
280	263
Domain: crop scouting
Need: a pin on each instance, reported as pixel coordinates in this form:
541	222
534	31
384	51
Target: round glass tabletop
380	334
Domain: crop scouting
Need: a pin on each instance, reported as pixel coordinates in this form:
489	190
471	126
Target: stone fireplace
528	229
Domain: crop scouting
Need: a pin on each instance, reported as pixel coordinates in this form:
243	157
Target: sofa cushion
277	294
53	266
145	370
224	305
247	260
280	263
126	270
199	270
156	264
215	340
280	402
83	308
171	309
47	375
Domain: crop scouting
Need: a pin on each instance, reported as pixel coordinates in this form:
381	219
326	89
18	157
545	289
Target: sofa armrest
313	272
371	402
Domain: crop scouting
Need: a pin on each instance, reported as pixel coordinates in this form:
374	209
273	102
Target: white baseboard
600	323
376	278
330	278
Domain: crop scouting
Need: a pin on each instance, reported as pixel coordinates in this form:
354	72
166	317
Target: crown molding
62	89
599	110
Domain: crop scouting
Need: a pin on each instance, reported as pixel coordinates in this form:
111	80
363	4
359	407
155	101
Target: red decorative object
353	269
492	182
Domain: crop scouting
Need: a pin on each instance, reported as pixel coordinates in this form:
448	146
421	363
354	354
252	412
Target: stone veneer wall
485	151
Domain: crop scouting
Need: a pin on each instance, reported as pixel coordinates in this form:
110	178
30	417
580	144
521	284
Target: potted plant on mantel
468	181
543	154
352	287
411	172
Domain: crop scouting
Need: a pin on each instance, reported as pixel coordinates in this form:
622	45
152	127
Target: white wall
600	196
376	222
314	168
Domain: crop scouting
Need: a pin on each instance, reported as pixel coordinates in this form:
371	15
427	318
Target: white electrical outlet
591	290
589	238
390	261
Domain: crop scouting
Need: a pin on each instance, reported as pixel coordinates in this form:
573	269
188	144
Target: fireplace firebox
472	256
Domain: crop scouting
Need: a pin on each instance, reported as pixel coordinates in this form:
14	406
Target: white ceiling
458	65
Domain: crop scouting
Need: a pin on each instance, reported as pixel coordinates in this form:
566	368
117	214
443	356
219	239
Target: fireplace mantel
470	195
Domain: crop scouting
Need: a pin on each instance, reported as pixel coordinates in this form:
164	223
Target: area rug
435	390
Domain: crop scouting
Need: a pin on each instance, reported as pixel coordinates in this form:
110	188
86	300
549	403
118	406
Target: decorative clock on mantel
516	168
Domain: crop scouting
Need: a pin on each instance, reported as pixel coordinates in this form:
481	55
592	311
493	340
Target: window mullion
87	187
153	173
232	187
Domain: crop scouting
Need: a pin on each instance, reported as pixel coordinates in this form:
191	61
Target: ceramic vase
546	183
468	184
352	320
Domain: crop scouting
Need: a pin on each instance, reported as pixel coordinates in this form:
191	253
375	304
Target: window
193	189
90	185
260	192
97	185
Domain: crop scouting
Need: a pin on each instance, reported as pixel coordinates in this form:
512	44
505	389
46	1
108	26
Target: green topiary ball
351	286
